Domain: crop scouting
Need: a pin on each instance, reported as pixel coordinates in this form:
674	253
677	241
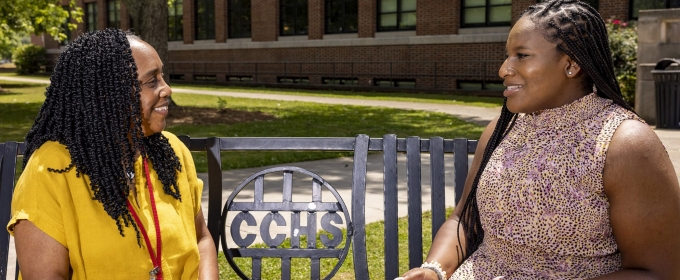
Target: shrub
29	58
623	43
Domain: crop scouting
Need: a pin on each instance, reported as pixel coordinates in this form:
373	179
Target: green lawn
441	98
21	102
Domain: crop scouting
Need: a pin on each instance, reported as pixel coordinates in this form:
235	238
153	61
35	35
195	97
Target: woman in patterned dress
568	183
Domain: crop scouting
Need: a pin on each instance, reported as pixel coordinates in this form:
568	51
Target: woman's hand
419	274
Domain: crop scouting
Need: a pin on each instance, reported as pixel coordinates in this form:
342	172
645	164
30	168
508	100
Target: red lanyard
157	272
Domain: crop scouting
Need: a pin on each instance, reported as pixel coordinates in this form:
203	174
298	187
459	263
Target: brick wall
265	20
437	17
518	6
366	63
317	25
614	9
221	20
188	21
367	18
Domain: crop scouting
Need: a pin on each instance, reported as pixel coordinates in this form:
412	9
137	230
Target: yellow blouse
61	205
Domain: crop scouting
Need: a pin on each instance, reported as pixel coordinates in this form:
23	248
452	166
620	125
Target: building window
340	81
113	17
341	16
478	13
637	5
480	85
205	19
292	80
239	18
175	27
91	16
294	17
403	83
396	15
240	79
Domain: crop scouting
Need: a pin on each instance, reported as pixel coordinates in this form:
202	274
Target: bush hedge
29	58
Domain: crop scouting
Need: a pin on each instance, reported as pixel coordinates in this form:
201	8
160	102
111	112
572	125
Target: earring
569	72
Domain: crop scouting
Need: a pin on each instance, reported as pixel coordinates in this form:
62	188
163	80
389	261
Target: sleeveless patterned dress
541	197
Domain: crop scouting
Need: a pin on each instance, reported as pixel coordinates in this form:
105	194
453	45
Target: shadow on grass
324	121
8	85
16	119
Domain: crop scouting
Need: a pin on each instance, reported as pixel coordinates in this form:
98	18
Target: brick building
421	44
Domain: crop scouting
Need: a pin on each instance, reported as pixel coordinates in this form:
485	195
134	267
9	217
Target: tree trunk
150	21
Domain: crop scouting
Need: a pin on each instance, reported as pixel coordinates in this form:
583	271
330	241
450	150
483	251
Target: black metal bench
333	214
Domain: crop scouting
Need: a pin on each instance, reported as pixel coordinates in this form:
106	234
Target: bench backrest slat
391	202
359	206
214	187
438	186
8	162
415	210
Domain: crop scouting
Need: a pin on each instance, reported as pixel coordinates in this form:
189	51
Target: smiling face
155	92
536	74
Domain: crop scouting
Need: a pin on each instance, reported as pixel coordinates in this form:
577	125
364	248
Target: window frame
487	8
116	14
343	17
206	20
234	14
282	6
178	21
90	18
666	4
399	13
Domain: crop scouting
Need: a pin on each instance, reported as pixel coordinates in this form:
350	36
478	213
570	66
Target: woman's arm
207	268
445	246
644	198
39	255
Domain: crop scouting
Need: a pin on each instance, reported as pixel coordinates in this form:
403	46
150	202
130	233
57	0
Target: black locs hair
92	106
579	31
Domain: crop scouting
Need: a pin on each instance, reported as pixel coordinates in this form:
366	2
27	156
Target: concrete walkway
338	171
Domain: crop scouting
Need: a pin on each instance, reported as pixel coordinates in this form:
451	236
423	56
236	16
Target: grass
442	98
21	103
271	268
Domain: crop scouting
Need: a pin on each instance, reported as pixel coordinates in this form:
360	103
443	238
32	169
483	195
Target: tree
150	19
36	17
24	17
623	43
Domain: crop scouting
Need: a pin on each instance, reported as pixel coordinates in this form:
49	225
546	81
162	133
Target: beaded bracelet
436	267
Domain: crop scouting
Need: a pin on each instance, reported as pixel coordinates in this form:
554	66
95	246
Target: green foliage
21	18
623	43
29	58
221	104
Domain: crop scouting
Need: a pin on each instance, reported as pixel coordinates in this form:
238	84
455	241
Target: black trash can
667	85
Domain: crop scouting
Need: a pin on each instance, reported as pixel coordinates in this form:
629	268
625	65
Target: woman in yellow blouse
105	193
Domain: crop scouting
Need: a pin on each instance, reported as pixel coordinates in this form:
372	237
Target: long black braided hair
578	31
92	106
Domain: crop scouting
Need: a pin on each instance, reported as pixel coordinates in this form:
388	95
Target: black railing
425	74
